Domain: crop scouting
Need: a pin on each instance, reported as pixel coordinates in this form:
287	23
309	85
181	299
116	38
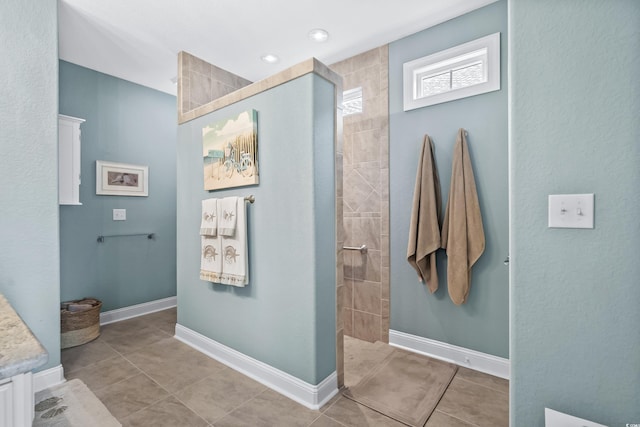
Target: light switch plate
571	211
119	214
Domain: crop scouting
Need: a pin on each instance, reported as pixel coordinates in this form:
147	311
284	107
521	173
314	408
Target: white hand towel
210	258
209	225
235	256
228	217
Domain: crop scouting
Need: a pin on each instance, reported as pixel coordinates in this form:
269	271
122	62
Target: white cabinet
16	401
6	403
69	160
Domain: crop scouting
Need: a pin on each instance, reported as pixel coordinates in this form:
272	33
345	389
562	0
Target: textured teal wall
575	104
127	123
29	254
482	323
277	318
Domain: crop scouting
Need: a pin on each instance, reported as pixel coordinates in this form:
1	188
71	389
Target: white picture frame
121	179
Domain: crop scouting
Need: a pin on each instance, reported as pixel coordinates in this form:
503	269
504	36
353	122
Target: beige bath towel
424	228
462	233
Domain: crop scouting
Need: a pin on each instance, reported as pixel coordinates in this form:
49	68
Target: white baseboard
137	310
48	378
311	396
461	356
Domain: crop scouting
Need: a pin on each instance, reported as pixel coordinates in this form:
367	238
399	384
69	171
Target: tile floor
147	378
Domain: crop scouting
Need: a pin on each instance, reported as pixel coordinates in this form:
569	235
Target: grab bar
363	249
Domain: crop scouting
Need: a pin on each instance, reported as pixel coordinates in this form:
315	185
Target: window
465	70
352	101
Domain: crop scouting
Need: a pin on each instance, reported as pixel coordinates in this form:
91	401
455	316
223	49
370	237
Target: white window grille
465	70
352	101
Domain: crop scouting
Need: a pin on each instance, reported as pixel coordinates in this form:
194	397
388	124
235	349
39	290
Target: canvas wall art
230	152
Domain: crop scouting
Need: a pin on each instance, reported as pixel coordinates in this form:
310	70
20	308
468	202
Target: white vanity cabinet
6	403
69	160
21	354
16	401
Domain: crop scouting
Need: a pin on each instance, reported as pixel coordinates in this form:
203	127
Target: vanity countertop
20	350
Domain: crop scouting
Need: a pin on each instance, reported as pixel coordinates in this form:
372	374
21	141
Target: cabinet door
6	405
69	160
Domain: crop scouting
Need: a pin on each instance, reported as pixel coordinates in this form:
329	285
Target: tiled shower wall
366	197
201	82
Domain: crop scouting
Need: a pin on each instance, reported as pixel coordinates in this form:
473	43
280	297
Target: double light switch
571	211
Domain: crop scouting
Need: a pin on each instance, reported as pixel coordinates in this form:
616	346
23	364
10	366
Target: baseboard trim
137	310
48	378
311	396
487	363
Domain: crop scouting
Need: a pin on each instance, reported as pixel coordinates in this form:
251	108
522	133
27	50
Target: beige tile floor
147	378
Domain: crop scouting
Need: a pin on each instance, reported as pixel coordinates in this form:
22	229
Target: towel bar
149	236
250	198
363	249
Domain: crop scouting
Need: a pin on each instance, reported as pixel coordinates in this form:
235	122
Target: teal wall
127	123
29	254
574	128
482	323
285	317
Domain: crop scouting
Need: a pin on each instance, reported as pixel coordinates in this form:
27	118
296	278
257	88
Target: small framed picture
121	179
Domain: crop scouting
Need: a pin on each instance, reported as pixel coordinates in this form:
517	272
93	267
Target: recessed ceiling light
318	35
270	58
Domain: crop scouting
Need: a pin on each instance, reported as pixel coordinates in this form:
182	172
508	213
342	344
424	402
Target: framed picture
121	179
230	152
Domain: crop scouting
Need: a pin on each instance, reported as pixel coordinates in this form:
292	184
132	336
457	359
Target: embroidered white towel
228	217
209	225
210	258
235	256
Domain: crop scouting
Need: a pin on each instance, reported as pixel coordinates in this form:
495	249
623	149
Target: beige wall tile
356	189
384	280
365	231
384	183
348	321
348	293
366	147
200	92
384	215
340	357
366	297
366	59
372	266
384	312
197	65
384	250
366	326
371	205
370	171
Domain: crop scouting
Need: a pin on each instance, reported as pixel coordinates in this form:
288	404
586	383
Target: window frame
451	59
350	95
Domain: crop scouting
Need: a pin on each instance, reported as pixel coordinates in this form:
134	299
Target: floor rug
405	386
71	404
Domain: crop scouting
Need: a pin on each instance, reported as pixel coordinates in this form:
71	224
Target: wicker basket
79	322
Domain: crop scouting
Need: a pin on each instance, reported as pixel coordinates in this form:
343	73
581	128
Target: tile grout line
483	385
453	416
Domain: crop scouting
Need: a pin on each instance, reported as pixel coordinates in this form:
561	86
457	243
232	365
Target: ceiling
138	40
